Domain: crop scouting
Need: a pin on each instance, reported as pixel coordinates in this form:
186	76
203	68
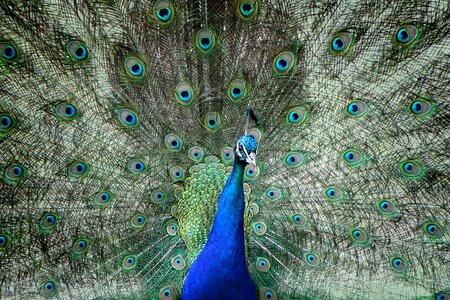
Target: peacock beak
251	159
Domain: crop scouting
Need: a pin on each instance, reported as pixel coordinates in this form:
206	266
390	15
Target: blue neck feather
220	271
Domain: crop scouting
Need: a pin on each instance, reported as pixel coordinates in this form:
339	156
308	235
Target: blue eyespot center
50	220
185	95
136	69
408	167
431	228
384	205
440	297
310	258
130	260
356	234
331	193
236	92
247	9
417	107
130	119
69	111
160	195
268	295
9	52
6	122
291	159
105	197
349	156
2	241
175	144
338	44
212	123
164	13
178	174
297	219
258	226
173	227
205	42
167	293
50	286
227	155
17	171
80	52
403	35
397	262
80	167
294	117
140	219
82	245
282	64
353	108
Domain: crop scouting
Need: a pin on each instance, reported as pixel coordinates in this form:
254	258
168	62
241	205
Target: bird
128	127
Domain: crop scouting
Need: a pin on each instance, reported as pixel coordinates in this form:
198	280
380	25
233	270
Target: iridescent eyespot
284	62
8	51
80	246
254	208
442	295
259	228
247	9
184	93
134	67
387	207
158	196
4	241
129	262
177	173
77	51
212	121
237	90
205	40
412	169
359	236
127	118
397	264
251	172
163	11
178	263
334	194
352	157
196	154
7	122
298	219
227	155
138	221
297	115
433	229
49	288
48	221
66	111
421	108
273	194
78	169
136	166
168	293
406	35
311	259
356	108
294	160
172	229
173	142
262	264
341	43
14	173
102	199
267	293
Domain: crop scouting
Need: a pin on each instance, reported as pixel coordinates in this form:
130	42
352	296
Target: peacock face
246	149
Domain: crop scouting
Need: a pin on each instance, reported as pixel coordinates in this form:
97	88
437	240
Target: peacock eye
136	166
66	111
251	172
356	108
237	90
406	35
138	221
294	160
212	121
48	221
7	122
134	67
80	246
311	259
8	51
77	51
421	108
195	153
259	228
129	262
172	141
397	264
227	155
4	241
433	229
49	288
284	62
359	236
167	293
334	194
178	263
127	118
184	93
102	199
205	40
412	169
297	116
262	264
247	9
172	229
15	173
177	173
341	43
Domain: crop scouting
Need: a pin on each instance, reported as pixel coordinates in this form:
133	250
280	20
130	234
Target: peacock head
246	149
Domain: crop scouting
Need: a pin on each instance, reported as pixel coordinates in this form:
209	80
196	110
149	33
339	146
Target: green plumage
118	121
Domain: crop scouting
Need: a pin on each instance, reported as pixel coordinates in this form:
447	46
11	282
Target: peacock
235	149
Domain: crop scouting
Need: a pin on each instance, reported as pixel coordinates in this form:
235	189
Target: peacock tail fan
119	119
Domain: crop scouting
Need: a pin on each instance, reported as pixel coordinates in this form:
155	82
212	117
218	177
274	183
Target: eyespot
177	173
387	207
259	228
352	157
136	166
298	219
8	51
172	229
297	115
273	194
433	229
184	94
138	221
49	288
247	9
78	169
397	264
15	173
294	160
284	62
251	172
66	111
441	295
341	43
421	108
262	264
237	90
102	198
412	169
406	35
80	246
129	262
212	121
356	109
334	194
134	67
77	51
168	293
158	196
267	293
227	155
163	11
173	142
311	259
48	221
196	154
4	241
205	40
127	118
254	208
7	122
178	263
358	236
